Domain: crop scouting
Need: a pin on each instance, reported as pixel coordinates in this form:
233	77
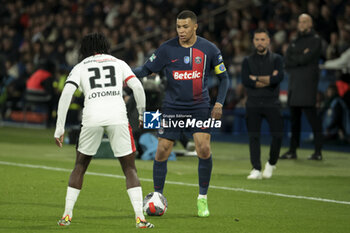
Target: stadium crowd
34	32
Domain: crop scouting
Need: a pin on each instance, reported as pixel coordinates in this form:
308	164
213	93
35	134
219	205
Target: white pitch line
180	183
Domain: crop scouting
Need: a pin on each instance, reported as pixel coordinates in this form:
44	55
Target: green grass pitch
32	191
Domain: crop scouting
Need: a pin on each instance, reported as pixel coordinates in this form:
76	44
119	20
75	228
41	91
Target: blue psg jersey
187	71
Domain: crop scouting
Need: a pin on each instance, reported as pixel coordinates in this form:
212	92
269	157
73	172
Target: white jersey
101	78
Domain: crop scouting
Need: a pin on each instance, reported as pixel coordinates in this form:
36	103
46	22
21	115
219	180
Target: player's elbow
135	85
139	91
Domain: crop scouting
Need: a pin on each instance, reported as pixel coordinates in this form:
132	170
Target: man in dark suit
302	65
262	72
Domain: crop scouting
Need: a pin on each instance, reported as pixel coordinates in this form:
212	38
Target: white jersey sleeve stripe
128	78
71	82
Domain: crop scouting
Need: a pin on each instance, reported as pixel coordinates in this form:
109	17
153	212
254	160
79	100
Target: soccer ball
155	204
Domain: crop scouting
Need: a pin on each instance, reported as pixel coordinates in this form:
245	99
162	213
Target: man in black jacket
261	74
302	65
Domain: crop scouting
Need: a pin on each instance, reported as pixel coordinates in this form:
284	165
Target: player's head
94	43
186	25
261	40
304	23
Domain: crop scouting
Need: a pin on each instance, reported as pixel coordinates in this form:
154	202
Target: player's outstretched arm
139	95
62	110
141	71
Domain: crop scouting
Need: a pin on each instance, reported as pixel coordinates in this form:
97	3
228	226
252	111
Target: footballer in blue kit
187	71
187	61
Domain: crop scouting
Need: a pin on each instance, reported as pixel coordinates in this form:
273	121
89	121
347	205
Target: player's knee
165	145
78	171
163	152
128	162
130	171
203	151
163	149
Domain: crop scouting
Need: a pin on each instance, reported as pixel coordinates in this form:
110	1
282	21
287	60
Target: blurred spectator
77	102
344	35
3	84
55	24
35	30
241	96
341	63
39	88
332	50
326	19
336	115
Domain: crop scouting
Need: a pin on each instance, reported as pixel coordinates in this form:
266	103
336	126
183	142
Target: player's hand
306	50
275	72
216	113
59	141
141	121
252	77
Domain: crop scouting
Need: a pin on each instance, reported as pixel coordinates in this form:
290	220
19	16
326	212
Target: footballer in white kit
101	78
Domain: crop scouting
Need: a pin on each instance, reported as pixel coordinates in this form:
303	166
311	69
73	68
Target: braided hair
92	44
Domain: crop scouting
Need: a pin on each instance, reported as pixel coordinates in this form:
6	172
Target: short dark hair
92	44
262	30
187	14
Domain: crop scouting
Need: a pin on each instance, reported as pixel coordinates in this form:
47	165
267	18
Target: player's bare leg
164	149
134	189
160	163
202	144
205	164
129	169
76	178
75	184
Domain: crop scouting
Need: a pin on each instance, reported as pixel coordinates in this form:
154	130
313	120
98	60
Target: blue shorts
179	121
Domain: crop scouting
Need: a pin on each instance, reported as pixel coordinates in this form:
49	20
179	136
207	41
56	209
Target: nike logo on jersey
174	60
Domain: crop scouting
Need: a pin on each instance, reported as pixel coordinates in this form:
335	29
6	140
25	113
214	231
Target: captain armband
220	68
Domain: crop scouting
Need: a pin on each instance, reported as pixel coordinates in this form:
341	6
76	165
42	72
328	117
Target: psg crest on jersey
187	59
198	60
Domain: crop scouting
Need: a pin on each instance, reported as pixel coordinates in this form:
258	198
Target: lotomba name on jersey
187	74
103	94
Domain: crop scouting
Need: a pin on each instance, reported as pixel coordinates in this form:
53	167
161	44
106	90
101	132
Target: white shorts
120	138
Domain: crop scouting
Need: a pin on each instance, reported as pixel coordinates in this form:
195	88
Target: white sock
202	196
71	198
135	195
